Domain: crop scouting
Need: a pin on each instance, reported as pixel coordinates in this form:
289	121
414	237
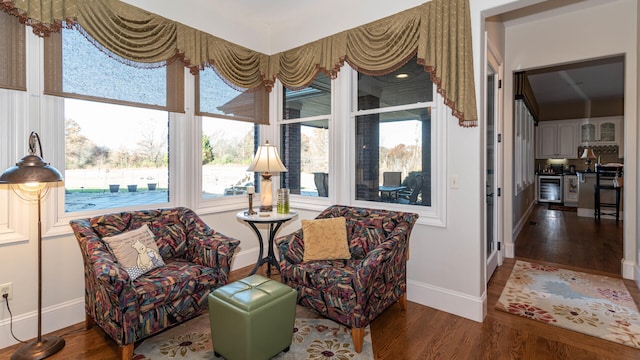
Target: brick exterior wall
367	150
291	151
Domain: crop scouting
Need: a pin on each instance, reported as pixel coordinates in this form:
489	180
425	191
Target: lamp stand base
266	208
46	347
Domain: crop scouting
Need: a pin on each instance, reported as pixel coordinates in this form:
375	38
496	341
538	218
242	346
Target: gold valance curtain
439	32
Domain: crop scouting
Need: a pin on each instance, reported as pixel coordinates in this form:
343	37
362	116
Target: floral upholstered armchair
195	260
352	291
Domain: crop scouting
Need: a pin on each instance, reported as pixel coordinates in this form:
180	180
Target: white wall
603	30
637	113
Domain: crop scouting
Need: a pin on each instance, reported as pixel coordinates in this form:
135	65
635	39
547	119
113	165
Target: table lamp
32	176
587	155
266	161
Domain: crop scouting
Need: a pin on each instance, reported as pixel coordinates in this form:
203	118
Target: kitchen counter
586	184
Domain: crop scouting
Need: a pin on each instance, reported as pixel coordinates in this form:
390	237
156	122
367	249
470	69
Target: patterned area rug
313	338
594	305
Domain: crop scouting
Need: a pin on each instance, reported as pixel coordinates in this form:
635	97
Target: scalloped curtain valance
439	32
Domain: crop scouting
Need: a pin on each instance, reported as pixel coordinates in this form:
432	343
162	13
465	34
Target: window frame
308	202
434	215
52	103
223	203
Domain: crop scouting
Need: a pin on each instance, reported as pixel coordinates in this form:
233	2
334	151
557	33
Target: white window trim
302	201
14	216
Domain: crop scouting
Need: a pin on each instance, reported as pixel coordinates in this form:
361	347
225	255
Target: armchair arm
214	250
106	281
373	264
291	247
384	255
99	262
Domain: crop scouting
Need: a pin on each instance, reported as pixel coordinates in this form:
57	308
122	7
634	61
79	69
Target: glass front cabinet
600	131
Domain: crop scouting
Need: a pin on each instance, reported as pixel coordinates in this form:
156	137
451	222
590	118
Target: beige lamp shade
588	154
267	160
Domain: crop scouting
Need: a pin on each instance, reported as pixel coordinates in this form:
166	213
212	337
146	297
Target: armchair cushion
136	251
325	239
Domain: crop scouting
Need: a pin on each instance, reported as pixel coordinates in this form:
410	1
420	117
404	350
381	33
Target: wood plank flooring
564	238
425	333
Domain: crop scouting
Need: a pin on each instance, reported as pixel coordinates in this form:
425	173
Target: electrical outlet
6	288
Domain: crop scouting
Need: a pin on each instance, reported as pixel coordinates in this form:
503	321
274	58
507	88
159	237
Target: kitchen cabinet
556	139
600	131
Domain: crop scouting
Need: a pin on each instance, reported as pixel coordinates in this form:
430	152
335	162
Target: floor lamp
32	175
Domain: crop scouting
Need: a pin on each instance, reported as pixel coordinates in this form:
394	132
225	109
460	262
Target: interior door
492	161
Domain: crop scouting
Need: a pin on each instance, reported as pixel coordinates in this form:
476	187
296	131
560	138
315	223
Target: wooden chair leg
357	335
125	352
403	301
88	321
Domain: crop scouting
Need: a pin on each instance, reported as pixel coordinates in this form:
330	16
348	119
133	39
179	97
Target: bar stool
608	179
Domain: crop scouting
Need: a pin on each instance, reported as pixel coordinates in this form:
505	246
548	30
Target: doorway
571	102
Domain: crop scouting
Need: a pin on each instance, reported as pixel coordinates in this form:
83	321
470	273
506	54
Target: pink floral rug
595	305
313	338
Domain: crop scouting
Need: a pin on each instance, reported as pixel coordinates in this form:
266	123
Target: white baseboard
453	302
629	270
246	258
25	326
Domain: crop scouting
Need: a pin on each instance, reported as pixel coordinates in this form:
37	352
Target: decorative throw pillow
325	239
136	251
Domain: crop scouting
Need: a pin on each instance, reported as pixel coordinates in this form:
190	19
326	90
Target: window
393	122
523	146
229	134
115	155
227	150
116	125
304	135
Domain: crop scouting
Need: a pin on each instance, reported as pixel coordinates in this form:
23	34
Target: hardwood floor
425	333
562	237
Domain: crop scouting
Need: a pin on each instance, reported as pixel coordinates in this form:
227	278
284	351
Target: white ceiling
579	82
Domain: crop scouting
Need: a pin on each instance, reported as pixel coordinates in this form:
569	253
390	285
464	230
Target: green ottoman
252	318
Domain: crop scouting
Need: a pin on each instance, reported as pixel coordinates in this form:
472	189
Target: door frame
492	58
